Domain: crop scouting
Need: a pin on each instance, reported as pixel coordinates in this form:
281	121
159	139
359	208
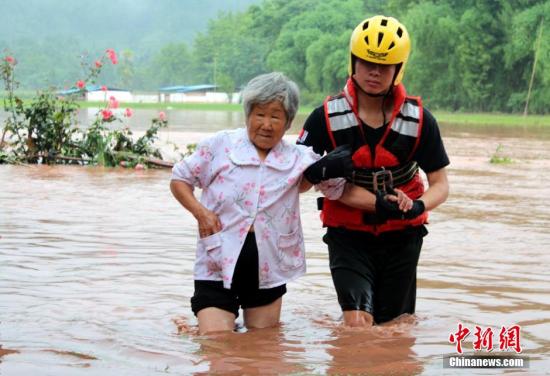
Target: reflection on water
96	264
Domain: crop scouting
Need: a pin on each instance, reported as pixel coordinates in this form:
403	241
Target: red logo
509	338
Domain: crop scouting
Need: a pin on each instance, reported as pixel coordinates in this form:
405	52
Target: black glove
390	210
335	164
417	209
386	209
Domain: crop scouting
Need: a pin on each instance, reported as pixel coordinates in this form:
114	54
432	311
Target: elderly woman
250	237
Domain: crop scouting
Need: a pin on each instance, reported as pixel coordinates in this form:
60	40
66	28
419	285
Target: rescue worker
375	230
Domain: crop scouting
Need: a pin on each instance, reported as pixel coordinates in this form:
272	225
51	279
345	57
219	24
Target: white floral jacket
244	191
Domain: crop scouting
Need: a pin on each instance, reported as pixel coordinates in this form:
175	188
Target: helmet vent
366	25
392	45
384	22
380	37
399	32
367	40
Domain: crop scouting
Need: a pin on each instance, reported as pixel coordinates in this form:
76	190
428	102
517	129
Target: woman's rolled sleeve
196	169
332	188
181	171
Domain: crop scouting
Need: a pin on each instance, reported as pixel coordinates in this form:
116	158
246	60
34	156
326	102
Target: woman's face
266	125
373	78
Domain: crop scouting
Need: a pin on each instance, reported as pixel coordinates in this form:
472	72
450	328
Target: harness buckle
382	181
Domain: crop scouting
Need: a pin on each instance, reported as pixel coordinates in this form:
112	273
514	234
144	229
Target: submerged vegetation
44	129
499	157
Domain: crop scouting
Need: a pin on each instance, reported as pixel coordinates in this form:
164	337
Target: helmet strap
383	106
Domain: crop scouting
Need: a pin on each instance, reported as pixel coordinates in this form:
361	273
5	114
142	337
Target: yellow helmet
381	40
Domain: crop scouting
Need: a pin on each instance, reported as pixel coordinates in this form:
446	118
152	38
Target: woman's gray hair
271	87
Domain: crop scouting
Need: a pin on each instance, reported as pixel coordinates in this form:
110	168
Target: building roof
87	88
186	88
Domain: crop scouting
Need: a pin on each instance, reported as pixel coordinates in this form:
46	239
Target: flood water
96	272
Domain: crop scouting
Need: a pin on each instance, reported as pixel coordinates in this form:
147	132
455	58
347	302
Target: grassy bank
169	106
442	116
512	120
473	119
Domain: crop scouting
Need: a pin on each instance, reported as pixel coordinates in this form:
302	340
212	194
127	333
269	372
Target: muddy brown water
96	274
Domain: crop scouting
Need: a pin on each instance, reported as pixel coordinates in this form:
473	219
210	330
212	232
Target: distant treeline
467	55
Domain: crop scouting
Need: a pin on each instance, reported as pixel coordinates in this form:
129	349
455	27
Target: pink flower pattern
213	267
249	187
264	271
262	193
243	230
197	171
244	191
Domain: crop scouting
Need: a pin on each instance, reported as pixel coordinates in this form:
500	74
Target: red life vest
395	149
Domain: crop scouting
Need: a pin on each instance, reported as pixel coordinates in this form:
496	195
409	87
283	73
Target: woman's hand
403	201
208	222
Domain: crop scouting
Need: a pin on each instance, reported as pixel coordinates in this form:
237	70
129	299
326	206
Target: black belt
375	179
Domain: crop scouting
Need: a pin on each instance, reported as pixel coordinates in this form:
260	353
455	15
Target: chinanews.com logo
509	345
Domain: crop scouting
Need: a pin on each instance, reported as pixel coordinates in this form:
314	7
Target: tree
474	46
172	65
126	69
519	55
229	47
325	22
433	69
326	66
226	84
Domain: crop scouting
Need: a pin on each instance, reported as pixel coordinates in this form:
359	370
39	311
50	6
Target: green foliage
190	149
49	36
103	146
126	69
430	26
48	127
498	157
474	52
226	84
520	54
43	130
312	46
229	49
467	55
171	66
463	56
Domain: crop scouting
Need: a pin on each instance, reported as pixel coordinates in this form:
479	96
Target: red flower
112	56
10	60
128	112
162	116
98	64
80	84
103	88
107	114
113	103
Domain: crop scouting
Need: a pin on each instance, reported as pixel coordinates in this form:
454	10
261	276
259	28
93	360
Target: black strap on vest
365	177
